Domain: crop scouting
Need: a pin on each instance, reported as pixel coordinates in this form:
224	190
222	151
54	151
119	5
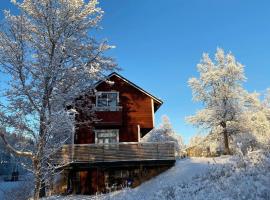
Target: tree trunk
37	188
226	142
225	138
40	155
50	185
37	179
42	191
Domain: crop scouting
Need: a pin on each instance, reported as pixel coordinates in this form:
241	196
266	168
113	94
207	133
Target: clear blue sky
159	43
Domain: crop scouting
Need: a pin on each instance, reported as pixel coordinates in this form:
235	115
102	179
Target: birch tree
49	57
219	89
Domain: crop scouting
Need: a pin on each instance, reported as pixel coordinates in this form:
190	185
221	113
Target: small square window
107	101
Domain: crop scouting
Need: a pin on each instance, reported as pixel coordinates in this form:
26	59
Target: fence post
103	152
157	152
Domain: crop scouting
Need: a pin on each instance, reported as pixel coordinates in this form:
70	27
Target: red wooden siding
137	108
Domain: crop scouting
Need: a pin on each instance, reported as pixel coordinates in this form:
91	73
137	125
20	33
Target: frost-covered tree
165	133
196	140
49	57
256	129
219	89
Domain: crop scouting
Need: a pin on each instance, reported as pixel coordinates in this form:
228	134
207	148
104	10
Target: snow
8	186
183	171
165	133
15	189
226	177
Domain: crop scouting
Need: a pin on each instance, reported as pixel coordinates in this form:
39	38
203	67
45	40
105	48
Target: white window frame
106	131
107	107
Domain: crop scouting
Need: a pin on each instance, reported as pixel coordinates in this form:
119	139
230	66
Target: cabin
107	154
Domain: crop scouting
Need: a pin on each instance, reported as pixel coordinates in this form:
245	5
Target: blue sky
160	42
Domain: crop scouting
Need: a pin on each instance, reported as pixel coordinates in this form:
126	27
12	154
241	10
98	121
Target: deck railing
127	151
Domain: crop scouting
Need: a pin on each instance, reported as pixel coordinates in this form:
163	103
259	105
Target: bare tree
50	58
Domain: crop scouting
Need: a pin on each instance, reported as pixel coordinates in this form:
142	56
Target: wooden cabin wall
85	135
137	109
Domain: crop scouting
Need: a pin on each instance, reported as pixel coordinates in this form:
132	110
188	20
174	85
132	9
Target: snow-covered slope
227	177
183	171
6	187
231	178
18	190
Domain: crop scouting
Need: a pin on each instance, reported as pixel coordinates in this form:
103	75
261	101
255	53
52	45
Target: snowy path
183	171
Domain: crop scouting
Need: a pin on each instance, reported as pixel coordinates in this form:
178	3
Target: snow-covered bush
250	173
254	132
244	142
164	133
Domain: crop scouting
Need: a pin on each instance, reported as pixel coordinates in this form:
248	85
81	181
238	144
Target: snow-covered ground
16	190
222	178
240	178
183	171
6	186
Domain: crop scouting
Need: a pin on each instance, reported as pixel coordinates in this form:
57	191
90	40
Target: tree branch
13	150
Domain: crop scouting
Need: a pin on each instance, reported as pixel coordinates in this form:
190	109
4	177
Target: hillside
202	178
183	171
196	178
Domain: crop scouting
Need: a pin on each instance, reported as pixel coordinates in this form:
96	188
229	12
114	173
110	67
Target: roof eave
133	84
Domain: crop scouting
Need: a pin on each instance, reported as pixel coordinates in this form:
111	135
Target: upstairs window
107	100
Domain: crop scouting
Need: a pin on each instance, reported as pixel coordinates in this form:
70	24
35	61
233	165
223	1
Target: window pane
107	99
113	140
102	100
107	136
112	99
100	141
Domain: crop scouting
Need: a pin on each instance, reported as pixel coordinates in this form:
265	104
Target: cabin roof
157	100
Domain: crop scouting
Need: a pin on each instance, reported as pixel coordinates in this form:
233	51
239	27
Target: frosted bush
244	177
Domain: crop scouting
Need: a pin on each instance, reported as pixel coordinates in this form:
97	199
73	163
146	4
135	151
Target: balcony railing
128	151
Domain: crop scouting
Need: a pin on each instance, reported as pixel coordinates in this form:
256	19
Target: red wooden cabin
108	154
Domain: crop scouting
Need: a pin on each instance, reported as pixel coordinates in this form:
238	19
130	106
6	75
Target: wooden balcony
120	152
109	116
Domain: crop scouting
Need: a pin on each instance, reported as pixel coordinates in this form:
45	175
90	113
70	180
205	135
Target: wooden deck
119	152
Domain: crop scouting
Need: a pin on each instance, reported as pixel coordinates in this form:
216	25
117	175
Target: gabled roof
157	100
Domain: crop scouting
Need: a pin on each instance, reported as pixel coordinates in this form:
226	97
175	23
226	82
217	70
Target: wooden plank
115	152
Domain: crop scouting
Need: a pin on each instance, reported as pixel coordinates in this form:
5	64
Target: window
107	100
107	136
